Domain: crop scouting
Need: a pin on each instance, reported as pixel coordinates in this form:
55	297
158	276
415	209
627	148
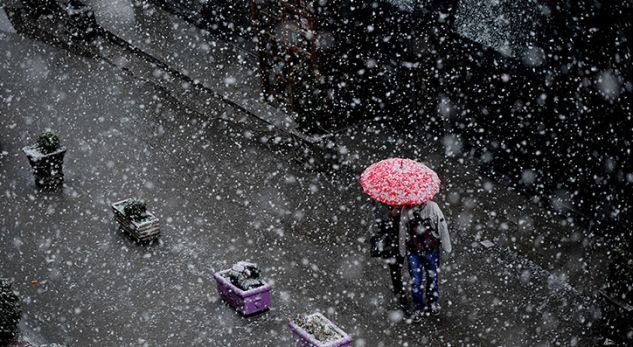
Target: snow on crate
135	220
242	288
316	330
245	275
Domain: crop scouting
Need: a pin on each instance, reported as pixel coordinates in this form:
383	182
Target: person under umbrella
425	230
422	228
385	231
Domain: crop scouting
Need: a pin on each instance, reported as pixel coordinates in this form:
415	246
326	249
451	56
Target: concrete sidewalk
224	197
538	234
206	59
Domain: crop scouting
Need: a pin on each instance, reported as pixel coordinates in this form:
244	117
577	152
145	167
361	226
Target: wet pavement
541	235
223	194
229	70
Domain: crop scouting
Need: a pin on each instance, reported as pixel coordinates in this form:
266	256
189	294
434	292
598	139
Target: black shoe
406	312
404	307
417	316
435	309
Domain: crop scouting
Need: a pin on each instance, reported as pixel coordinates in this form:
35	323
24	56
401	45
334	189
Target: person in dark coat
387	221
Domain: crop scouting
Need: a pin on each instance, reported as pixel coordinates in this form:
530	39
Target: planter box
47	168
246	302
143	231
305	339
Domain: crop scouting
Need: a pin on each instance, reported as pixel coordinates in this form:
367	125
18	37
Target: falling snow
245	128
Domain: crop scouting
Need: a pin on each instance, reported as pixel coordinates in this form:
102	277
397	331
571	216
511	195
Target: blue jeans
428	264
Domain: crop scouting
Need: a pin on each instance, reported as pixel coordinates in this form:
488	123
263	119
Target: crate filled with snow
243	289
135	220
314	330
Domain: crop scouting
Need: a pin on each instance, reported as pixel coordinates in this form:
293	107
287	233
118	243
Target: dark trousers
421	266
396	265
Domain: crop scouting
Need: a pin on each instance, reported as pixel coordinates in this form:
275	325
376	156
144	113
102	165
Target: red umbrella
398	181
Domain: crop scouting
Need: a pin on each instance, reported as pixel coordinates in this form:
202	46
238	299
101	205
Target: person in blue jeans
423	230
423	293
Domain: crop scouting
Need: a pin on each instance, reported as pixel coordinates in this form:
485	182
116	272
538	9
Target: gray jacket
427	210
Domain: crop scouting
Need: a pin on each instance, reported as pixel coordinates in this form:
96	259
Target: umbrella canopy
398	181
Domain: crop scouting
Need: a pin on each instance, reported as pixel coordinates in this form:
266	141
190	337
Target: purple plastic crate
307	340
246	302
